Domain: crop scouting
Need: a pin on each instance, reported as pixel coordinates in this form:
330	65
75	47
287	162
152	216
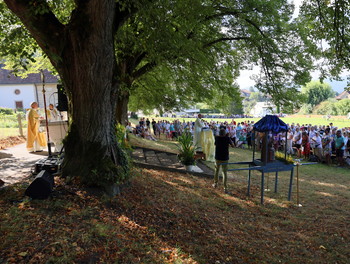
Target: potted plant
186	150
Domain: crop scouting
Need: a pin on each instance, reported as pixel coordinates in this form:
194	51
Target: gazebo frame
268	124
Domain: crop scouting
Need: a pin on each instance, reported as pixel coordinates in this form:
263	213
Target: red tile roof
343	95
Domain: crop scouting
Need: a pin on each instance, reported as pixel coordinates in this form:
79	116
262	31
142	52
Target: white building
18	93
188	112
262	109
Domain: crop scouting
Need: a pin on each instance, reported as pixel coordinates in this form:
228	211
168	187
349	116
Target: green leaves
202	46
327	24
316	92
184	52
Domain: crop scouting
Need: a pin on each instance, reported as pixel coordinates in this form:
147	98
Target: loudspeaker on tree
42	186
62	98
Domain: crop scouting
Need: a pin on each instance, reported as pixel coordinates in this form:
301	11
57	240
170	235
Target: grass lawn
167	217
160	144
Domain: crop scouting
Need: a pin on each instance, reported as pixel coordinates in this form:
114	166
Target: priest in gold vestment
198	125
35	140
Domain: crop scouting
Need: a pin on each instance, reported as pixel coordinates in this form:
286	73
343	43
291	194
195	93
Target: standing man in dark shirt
148	123
222	143
142	122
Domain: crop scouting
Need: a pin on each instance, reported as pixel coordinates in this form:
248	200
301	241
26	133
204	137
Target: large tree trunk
91	149
83	54
122	108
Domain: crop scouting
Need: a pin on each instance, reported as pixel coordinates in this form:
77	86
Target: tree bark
83	54
122	108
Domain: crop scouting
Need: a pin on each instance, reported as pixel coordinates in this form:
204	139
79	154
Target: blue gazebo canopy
270	123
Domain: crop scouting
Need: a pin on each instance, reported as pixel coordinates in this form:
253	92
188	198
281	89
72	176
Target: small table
275	166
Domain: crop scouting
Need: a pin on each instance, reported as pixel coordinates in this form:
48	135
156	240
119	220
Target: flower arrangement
186	149
280	156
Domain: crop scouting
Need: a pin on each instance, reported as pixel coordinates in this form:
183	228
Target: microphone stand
46	121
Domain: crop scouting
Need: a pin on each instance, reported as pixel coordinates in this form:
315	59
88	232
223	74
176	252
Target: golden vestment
34	137
208	144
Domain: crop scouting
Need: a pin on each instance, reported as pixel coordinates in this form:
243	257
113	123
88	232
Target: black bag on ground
42	186
314	158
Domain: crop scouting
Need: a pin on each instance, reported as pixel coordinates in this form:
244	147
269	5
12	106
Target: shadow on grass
211	226
165	217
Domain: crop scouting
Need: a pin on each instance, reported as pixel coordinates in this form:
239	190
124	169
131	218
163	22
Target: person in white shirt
52	114
129	128
233	134
289	146
327	145
317	145
167	130
297	141
312	132
198	125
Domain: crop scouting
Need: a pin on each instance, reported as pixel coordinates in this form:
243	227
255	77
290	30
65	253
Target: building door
19	104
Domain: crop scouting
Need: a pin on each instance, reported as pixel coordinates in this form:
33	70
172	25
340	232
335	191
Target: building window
19	104
17	91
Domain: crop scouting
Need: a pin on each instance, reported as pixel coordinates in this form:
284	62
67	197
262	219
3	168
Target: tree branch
255	26
41	23
209	44
138	58
144	69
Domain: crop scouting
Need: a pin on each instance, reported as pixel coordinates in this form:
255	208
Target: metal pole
276	181
262	187
253	141
290	185
249	178
46	121
298	204
267	184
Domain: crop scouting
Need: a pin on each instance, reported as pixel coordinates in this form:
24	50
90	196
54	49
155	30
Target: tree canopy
327	24
189	45
317	92
239	34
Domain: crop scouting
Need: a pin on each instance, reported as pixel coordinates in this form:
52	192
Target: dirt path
16	163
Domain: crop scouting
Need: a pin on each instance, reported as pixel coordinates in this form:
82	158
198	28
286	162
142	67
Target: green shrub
120	133
121	136
326	108
6	111
8	121
343	106
306	109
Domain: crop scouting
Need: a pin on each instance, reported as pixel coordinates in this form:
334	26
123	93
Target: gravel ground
16	163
